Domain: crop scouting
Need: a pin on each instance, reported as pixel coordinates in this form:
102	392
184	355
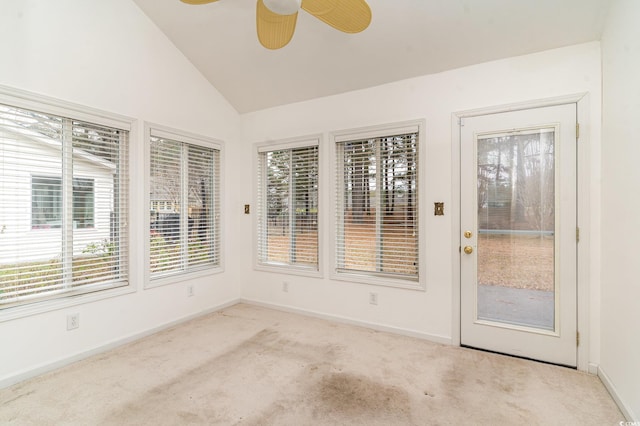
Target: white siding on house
23	158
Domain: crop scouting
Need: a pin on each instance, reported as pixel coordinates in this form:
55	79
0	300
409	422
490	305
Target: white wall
434	98
621	204
106	54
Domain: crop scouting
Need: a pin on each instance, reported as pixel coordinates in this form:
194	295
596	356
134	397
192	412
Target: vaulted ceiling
406	38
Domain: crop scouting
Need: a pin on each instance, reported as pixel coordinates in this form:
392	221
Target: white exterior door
518	233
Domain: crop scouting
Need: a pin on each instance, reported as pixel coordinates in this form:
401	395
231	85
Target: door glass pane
516	228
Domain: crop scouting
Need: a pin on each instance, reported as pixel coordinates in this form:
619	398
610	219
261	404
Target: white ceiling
406	38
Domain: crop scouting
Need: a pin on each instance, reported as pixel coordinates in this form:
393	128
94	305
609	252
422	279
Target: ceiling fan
276	19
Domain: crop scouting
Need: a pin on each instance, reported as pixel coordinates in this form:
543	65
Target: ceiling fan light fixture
283	7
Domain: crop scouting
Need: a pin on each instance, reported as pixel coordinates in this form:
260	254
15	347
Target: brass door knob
468	249
467	234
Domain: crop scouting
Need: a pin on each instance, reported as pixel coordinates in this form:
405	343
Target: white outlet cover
73	321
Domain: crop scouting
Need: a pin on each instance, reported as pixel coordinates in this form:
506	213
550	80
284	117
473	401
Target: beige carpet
253	366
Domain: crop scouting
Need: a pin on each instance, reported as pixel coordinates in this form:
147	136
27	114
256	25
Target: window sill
379	280
36	308
179	277
288	270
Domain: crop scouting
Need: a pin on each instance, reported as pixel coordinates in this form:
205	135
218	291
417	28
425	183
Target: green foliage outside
101	248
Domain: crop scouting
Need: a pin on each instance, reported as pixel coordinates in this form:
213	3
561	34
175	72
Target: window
184	204
64	205
377	204
288	205
46	202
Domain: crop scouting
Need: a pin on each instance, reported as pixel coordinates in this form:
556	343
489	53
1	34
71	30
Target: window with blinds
288	206
377	205
184	205
64	206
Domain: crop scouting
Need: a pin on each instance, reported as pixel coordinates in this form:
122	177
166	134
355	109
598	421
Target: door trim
583	217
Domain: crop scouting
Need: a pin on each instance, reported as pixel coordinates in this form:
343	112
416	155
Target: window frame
287	144
48	105
371	132
157	130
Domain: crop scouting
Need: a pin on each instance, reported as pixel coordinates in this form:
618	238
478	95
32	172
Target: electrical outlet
285	286
190	290
373	298
73	321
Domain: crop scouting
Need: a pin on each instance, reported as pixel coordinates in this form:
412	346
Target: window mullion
265	208
340	194
292	211
212	208
120	216
66	225
184	207
261	202
379	203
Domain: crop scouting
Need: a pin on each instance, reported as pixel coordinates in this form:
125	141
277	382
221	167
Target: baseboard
626	411
350	321
48	367
592	369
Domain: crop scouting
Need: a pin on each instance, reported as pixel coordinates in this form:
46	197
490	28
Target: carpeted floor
253	366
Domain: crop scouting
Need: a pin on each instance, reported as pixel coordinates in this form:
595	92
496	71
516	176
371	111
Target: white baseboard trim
592	369
350	321
626	411
48	367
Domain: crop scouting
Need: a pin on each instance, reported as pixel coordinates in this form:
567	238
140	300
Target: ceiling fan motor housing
283	7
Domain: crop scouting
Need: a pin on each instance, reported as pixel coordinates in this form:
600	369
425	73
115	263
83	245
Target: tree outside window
377	206
288	207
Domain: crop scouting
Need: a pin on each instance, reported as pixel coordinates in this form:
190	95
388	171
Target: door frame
583	215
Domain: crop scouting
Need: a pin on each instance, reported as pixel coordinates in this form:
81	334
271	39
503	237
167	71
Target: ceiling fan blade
349	16
274	31
197	1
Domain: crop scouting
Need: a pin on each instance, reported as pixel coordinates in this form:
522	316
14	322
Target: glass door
518	243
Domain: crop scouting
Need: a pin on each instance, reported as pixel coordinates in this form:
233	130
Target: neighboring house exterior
32	197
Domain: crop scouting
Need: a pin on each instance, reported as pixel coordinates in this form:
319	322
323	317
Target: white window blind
288	207
184	205
64	206
377	206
